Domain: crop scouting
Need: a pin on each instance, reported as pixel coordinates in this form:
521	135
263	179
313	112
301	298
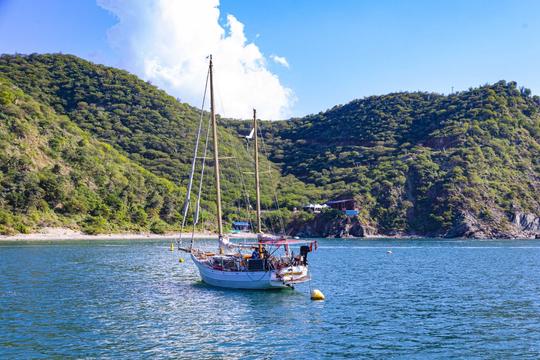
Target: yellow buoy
316	294
172	247
180	260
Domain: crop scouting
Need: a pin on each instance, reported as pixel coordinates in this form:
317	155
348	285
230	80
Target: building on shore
315	208
348	206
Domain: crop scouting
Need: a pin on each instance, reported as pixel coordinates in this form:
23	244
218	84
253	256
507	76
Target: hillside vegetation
94	147
55	174
467	164
149	127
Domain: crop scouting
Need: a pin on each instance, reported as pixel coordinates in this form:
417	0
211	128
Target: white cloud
167	42
281	60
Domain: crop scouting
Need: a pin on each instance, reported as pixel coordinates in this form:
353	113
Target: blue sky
337	50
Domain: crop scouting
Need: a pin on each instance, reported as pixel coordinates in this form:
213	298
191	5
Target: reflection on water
429	298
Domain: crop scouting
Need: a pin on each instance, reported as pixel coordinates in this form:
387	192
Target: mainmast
257	183
216	155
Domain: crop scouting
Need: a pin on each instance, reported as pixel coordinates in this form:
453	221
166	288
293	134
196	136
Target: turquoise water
126	299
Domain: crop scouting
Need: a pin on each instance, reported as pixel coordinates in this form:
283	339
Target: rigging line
239	202
275	191
224	141
193	163
198	204
246	195
244	191
242	182
249	208
271	224
274	185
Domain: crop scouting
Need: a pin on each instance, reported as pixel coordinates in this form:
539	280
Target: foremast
257	180
216	158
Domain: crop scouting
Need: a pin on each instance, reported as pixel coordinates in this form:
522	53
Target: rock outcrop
519	225
333	224
527	223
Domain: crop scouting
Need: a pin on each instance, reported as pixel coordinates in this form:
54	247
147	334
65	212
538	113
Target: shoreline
61	234
66	234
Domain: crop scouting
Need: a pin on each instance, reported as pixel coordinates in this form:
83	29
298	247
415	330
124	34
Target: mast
216	155
257	183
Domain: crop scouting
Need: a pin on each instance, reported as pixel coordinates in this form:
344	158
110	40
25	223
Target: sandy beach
50	234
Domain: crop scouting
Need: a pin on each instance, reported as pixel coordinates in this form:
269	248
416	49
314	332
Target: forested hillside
467	164
151	128
55	174
95	147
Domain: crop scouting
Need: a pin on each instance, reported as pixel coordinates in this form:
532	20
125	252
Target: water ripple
430	298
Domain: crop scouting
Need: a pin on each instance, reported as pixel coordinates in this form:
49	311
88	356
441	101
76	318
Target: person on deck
265	253
255	254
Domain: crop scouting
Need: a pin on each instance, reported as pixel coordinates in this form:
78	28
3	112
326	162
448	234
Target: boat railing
239	263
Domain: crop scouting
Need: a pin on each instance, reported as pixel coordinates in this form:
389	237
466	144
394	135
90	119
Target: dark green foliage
93	147
54	173
135	117
418	161
145	124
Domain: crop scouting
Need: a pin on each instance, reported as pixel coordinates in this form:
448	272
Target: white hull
246	279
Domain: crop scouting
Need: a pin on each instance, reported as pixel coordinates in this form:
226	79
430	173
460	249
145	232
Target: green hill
95	147
55	174
143	123
467	164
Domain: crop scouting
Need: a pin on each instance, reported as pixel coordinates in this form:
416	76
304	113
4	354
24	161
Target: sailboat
267	262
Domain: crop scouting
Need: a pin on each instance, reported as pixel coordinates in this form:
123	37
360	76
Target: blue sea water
132	299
